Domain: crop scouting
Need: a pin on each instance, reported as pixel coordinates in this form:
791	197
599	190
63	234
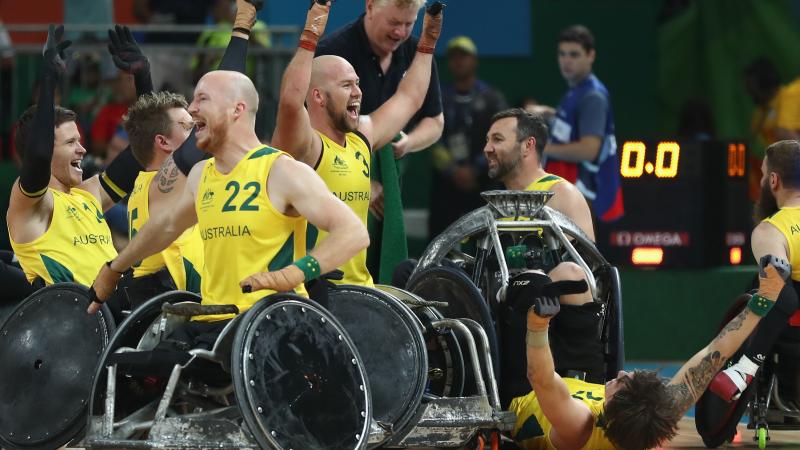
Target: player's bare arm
571	419
293	131
694	377
388	120
156	235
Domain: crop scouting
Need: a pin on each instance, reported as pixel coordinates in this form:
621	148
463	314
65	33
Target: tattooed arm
166	187
694	377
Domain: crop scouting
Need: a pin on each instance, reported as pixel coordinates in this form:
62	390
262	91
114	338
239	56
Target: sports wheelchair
473	281
771	401
284	375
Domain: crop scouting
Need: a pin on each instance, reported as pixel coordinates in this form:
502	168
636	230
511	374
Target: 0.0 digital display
633	163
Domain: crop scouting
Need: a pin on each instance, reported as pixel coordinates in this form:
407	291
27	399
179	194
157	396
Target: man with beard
778	209
634	410
251	203
514	146
330	135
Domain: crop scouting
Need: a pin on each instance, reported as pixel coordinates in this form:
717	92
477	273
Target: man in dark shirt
380	47
460	166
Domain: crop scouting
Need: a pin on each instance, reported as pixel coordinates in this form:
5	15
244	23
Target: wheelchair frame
558	232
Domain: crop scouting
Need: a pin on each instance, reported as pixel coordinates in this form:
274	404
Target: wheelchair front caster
762	436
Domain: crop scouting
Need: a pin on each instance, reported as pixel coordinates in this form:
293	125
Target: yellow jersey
544	183
532	429
787	221
183	258
345	171
242	231
74	247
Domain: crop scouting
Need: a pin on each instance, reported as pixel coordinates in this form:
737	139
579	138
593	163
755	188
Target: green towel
388	245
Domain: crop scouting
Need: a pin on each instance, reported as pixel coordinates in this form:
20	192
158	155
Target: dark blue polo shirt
350	42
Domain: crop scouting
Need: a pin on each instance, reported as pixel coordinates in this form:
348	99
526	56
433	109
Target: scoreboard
686	205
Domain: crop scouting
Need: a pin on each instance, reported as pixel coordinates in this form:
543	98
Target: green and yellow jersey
544	183
74	247
787	221
183	258
532	429
242	231
345	171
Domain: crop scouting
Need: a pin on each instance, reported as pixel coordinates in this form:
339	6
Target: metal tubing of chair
456	324
501	256
161	412
574	253
778	402
476	328
111	387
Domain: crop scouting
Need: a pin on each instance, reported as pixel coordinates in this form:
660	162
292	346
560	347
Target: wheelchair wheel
451	285
131	332
762	436
445	359
390	341
299	382
49	348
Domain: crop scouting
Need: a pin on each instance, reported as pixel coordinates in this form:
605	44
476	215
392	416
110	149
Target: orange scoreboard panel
686	205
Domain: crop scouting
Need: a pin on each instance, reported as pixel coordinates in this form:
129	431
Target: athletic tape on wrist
241	30
759	305
308	45
425	49
536	339
310	267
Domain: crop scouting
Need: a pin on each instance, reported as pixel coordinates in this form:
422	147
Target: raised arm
694	377
385	122
156	235
128	57
28	197
571	419
117	180
296	187
293	131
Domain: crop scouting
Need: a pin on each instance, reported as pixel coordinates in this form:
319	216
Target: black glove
529	289
546	306
435	8
55	65
127	55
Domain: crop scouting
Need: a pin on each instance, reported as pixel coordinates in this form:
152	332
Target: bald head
233	86
330	69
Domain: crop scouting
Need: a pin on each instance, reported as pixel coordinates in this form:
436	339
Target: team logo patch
72	212
339	163
207	200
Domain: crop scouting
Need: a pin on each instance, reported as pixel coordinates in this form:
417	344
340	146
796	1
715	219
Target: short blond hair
402	4
146	118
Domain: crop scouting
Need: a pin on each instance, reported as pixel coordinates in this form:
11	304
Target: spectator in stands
223	14
86	93
460	166
776	117
168	70
583	148
110	116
